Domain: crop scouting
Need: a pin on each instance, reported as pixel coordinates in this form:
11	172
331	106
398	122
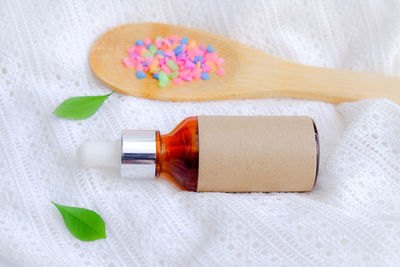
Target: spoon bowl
250	73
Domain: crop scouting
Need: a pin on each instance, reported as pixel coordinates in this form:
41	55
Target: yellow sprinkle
212	65
154	64
191	44
174	46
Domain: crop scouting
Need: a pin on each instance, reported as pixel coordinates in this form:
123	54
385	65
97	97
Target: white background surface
352	217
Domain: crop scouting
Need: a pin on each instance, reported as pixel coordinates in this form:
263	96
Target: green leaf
84	224
79	108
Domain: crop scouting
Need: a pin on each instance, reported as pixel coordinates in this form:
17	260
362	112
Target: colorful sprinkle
177	80
220	72
210	49
162	79
172	65
147	41
127	62
178	49
140	75
173	75
184	41
152	49
173	58
205	76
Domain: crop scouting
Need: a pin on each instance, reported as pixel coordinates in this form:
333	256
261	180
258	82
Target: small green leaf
84	224
79	108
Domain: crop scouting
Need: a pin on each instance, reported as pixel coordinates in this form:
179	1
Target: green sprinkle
162	79
172	65
159	38
163	76
173	75
162	84
147	54
152	49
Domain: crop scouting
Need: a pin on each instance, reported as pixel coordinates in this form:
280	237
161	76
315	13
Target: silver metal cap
138	154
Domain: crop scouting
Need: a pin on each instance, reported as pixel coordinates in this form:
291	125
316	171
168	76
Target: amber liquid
178	154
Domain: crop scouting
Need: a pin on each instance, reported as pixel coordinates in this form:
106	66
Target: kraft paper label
256	154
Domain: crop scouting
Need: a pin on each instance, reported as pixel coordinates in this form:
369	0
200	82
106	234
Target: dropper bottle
221	146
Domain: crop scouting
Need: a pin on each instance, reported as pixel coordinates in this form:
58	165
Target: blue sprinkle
197	59
184	41
155	76
160	52
147	47
171	42
205	76
140	74
144	64
178	49
139	42
210	49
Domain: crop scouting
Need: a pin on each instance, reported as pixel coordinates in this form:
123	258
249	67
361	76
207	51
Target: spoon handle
285	79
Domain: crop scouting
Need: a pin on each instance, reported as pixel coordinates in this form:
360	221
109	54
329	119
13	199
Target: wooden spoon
250	73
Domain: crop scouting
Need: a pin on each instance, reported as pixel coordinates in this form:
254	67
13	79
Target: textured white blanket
352	218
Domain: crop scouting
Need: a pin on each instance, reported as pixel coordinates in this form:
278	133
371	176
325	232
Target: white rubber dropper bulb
106	154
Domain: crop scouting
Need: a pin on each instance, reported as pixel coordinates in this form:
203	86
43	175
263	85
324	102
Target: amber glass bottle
250	154
178	153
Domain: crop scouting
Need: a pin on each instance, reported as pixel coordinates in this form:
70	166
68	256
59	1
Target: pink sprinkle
149	60
196	74
146	69
133	61
140	59
161	61
210	56
166	69
157	43
219	61
184	73
147	41
206	68
220	72
180	56
177	80
139	66
189	64
174	38
166	42
187	78
138	49
195	51
133	55
132	49
169	53
191	57
127	62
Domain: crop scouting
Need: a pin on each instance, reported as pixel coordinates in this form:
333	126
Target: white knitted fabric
351	218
